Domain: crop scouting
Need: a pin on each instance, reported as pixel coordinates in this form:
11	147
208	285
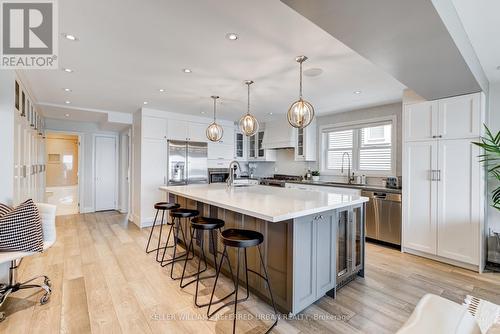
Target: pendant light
301	113
248	123
214	131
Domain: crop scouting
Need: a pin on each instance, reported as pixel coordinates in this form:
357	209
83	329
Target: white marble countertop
273	204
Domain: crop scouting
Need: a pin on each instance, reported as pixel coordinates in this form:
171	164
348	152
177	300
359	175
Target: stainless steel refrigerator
187	162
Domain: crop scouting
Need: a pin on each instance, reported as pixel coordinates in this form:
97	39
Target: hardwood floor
103	282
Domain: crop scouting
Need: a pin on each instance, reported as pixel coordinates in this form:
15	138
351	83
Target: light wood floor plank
103	282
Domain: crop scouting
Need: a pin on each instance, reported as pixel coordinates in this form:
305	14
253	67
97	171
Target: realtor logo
29	34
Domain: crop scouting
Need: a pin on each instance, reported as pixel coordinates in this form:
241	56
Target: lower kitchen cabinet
314	257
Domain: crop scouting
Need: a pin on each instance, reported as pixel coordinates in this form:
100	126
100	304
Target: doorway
62	178
106	172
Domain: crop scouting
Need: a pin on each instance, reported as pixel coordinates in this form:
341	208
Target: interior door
105	173
458	209
420	194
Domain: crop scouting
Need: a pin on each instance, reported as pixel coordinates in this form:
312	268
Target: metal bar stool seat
239	239
160	206
202	224
177	215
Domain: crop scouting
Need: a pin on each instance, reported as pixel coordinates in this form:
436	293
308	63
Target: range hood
279	134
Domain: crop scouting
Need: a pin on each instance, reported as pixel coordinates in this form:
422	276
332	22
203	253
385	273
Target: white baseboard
87	210
441	259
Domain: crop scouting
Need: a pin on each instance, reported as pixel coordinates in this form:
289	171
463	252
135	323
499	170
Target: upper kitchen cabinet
451	118
305	145
154	127
256	150
421	121
186	130
460	117
240	146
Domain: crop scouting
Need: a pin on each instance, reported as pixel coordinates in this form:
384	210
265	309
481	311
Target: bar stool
177	215
200	224
160	206
241	239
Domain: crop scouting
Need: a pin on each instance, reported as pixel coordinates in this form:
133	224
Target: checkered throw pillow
4	209
21	229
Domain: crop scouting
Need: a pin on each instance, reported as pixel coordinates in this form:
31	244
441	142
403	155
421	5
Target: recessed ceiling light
67	102
145	102
186	70
357	92
270	113
67	89
67	70
231	36
70	37
202	112
162	90
313	72
66	115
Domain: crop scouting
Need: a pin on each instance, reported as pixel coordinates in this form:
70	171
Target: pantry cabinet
443	192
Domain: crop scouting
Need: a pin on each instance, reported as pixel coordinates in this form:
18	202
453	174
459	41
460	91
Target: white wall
493	122
123	199
87	131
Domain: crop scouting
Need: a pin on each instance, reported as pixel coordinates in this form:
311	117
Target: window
367	146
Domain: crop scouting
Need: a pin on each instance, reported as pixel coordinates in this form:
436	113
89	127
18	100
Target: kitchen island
313	240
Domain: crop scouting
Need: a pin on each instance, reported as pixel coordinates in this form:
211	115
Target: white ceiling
128	50
482	24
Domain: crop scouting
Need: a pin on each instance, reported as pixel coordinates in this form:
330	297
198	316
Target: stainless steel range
279	180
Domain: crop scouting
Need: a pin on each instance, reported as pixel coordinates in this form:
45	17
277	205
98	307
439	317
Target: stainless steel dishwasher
383	217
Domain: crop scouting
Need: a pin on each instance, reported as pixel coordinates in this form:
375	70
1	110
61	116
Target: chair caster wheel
45	298
2	316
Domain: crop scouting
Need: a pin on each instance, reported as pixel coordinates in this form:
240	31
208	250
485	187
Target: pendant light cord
248	98
300	93
215	107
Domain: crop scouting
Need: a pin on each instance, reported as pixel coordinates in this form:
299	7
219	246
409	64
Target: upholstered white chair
434	314
48	216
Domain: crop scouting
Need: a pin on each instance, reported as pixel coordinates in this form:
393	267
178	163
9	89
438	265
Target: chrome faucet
350	178
233	166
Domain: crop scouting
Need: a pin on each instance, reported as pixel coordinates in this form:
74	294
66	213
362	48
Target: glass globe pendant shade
300	114
214	132
249	125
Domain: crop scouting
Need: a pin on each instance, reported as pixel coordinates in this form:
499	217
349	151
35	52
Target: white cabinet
256	151
421	121
443	181
240	146
197	132
459	117
452	118
220	151
186	130
177	130
154	127
459	201
305	145
420	196
154	171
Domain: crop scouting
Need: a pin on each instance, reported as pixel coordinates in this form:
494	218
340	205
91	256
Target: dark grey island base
306	257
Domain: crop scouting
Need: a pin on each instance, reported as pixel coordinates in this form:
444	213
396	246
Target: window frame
357	125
